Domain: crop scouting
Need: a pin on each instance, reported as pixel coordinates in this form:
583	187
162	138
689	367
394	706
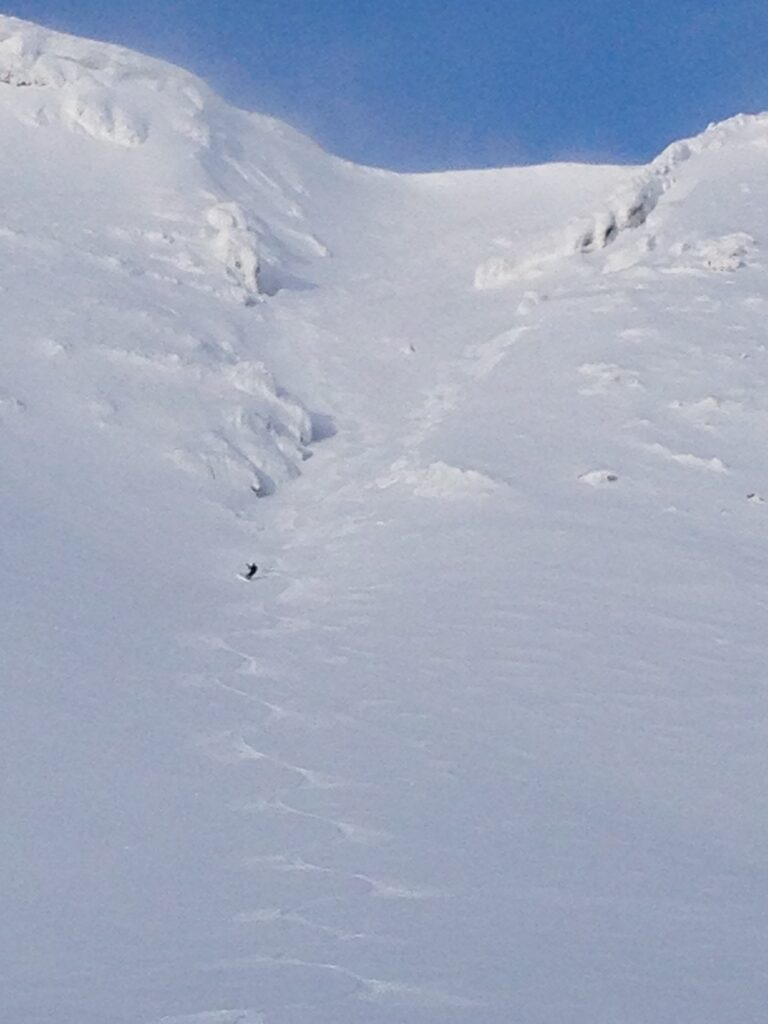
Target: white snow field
486	739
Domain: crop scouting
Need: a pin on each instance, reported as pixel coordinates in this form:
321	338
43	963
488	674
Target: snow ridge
635	201
628	208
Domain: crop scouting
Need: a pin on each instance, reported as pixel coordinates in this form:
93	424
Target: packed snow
484	738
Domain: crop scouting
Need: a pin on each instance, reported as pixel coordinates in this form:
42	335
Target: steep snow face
120	197
484	738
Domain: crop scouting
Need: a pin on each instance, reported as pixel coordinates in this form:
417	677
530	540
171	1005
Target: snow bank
440	480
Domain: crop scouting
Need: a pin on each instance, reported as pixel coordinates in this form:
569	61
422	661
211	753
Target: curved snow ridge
634	202
629	207
712	465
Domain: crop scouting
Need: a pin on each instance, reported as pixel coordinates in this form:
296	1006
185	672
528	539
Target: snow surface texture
485	740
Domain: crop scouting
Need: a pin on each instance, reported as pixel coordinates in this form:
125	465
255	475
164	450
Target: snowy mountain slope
485	740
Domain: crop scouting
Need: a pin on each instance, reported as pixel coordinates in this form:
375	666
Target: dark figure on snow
252	570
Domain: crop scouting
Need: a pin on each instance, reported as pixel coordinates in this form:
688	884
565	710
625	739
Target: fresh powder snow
484	740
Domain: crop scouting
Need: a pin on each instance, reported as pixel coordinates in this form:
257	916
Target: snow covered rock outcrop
243	201
235	245
125	281
629	209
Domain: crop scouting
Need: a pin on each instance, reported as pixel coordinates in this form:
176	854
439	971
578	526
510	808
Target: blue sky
418	84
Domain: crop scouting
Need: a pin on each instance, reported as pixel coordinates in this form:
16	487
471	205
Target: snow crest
629	208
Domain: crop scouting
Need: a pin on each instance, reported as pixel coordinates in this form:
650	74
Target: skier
252	569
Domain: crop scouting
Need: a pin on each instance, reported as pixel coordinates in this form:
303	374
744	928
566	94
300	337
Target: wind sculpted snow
484	738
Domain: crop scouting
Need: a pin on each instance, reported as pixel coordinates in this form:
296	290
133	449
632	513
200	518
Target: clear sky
418	84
